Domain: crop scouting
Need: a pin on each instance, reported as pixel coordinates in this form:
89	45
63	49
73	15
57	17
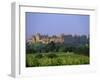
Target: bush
52	55
38	55
36	62
45	61
29	60
84	50
33	60
62	49
61	61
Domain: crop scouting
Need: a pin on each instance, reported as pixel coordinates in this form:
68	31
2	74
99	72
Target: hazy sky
55	24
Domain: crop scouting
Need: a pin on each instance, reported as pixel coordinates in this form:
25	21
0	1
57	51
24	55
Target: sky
55	24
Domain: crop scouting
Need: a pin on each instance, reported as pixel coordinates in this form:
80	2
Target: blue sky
55	24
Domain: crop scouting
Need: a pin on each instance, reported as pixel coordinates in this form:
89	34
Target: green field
55	59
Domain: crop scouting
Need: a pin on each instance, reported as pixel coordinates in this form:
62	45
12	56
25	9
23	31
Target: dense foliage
74	50
56	47
44	59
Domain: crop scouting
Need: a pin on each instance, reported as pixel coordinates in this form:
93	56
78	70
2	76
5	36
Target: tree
84	50
30	48
51	46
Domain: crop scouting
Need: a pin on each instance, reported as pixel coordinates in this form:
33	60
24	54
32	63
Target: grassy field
55	59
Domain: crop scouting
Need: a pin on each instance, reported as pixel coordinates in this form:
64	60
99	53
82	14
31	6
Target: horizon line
57	35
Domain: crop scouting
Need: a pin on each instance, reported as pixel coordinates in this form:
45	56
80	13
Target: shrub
38	55
54	59
52	55
62	49
36	62
29	60
61	61
45	61
84	50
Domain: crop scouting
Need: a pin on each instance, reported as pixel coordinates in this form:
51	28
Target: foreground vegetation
55	59
74	51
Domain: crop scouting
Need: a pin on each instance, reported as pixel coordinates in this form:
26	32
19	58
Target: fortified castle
45	39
